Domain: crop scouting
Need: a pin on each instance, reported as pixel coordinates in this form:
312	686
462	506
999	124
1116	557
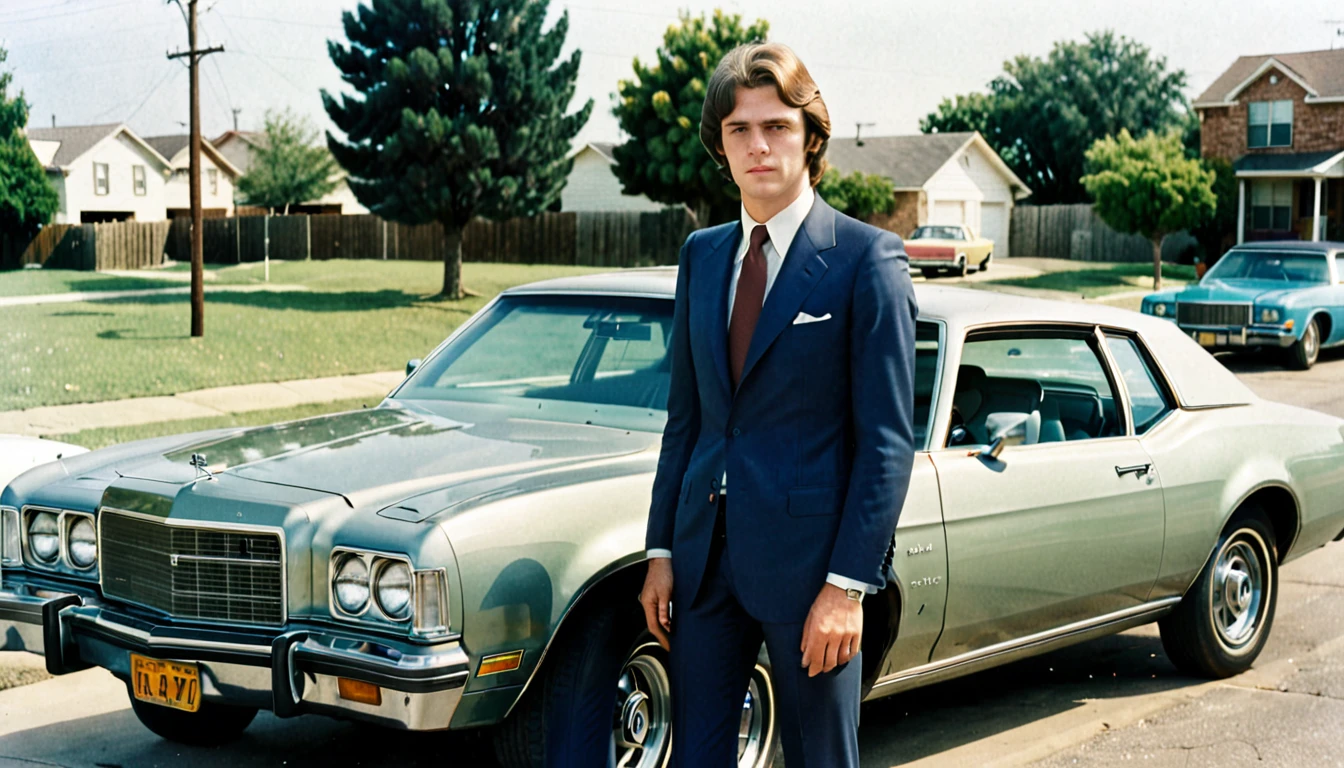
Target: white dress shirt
783	227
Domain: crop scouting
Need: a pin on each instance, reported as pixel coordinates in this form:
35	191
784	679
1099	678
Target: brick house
940	178
1279	120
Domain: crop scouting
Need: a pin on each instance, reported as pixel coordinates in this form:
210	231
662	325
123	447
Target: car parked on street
1286	296
20	453
939	249
465	554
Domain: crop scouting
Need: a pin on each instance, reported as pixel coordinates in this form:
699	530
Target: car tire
1304	352
1222	623
643	697
929	272
964	269
211	725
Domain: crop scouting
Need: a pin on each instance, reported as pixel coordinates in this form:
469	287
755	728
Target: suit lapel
803	268
719	274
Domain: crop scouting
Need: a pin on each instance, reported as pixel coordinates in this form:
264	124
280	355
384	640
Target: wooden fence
623	239
1076	232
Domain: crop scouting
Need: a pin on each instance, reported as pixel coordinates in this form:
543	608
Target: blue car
1286	296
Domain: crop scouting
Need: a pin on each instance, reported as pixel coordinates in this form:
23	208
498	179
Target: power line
282	75
171	72
287	22
81	11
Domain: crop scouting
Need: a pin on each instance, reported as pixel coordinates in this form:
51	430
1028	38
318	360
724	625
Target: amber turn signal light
362	692
500	662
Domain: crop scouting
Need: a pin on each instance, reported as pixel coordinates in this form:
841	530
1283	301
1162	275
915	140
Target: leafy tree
27	200
1148	187
1042	115
660	111
460	112
290	166
859	194
1218	233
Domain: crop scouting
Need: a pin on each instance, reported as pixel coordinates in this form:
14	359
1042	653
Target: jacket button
736	431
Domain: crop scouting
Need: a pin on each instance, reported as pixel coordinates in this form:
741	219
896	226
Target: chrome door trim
1012	650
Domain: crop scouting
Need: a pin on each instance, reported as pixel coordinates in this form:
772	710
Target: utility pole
235	111
193	57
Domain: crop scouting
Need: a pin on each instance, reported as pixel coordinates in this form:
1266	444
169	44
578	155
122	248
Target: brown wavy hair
752	66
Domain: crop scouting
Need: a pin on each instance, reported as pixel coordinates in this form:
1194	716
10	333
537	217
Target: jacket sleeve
683	416
882	381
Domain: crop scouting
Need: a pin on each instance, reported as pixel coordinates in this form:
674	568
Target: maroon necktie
747	302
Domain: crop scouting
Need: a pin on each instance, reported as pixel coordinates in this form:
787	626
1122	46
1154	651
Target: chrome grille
1213	314
192	573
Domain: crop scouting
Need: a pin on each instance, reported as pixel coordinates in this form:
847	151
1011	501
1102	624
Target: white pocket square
803	317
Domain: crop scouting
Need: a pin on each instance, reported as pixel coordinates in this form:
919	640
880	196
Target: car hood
1263	291
377	456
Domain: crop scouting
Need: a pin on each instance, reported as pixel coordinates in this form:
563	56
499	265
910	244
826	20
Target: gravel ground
18	668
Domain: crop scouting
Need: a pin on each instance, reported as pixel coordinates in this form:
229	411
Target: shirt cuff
659	553
847	583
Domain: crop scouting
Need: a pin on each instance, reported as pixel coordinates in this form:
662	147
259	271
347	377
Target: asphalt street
1105	702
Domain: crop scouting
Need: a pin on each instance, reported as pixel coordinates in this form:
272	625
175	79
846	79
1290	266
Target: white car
19	453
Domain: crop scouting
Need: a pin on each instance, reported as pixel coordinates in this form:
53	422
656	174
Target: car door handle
1137	469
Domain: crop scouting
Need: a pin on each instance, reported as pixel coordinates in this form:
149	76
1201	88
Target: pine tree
660	110
460	112
27	200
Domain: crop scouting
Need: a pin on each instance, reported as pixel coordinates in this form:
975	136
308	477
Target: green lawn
354	317
1104	279
105	436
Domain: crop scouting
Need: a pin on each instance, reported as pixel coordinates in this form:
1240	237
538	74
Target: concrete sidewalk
70	296
63	419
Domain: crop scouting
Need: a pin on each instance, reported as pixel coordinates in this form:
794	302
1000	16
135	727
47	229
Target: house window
1270	124
1272	205
100	178
138	179
212	176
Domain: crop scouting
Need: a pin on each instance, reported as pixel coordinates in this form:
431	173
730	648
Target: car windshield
1271	265
938	233
599	360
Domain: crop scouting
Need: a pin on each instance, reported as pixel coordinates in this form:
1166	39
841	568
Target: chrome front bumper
290	673
1229	337
937	263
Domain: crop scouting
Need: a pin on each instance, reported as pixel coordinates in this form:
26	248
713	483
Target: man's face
765	141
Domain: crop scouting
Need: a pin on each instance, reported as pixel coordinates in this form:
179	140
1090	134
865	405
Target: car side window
1148	401
1032	387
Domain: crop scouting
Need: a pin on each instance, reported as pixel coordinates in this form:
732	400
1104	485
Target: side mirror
411	365
991	452
958	436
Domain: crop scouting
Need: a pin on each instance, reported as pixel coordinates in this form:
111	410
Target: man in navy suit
792	382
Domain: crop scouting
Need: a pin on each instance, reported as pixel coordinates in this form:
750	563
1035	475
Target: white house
593	187
236	148
102	173
940	178
218	176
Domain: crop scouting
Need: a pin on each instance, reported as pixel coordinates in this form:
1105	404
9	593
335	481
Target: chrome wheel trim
1311	342
757	729
642	724
1239	591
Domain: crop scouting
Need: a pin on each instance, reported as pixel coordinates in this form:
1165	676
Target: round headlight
44	537
83	543
1160	310
352	584
394	590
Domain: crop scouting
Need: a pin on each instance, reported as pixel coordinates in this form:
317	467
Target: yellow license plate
1207	339
166	683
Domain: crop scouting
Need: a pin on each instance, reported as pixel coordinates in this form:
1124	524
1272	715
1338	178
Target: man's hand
656	597
832	631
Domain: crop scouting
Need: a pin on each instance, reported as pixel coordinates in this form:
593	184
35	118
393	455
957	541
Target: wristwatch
854	594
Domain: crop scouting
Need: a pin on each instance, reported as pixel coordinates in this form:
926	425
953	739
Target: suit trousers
714	650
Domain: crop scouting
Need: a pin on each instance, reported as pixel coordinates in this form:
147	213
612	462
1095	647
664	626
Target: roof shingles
1322	70
909	161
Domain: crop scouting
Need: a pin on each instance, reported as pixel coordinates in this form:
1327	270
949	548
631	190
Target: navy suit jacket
818	438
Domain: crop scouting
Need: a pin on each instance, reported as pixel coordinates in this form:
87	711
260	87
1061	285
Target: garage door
994	225
948	212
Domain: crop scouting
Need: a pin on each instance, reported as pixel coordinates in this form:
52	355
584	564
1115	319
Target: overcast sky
886	62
